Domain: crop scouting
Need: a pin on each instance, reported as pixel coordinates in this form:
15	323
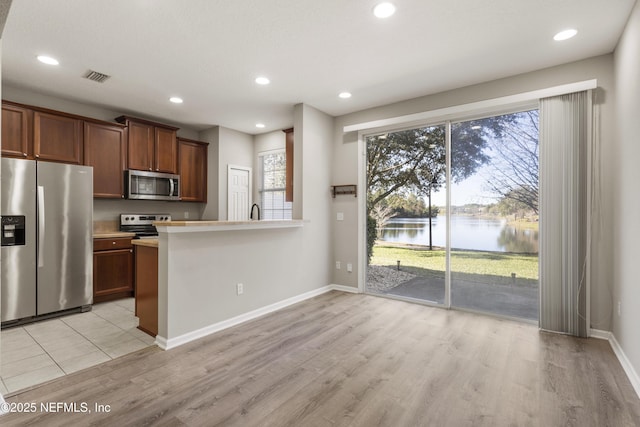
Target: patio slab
520	301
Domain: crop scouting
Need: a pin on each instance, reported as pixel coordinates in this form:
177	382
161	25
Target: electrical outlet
349	268
240	288
338	266
619	308
186	214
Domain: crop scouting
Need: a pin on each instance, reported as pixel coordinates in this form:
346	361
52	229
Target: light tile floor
35	353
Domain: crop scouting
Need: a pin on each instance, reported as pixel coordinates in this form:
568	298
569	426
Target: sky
471	190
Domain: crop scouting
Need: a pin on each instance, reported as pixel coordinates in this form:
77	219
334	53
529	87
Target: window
272	186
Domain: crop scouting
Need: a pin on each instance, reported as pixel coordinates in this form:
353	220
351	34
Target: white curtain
564	205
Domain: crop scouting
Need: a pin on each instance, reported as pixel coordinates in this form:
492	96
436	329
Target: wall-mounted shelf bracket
344	189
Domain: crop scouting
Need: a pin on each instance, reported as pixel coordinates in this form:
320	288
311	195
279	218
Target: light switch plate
340	216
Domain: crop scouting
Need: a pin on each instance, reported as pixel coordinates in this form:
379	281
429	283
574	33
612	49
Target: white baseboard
622	358
343	288
600	334
167	344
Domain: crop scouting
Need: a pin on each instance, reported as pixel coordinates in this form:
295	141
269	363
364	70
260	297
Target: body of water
467	232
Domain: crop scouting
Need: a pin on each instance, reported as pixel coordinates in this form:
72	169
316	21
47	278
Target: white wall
313	151
625	203
199	271
212	136
234	148
345	160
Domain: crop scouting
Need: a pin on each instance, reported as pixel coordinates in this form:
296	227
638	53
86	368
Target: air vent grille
96	76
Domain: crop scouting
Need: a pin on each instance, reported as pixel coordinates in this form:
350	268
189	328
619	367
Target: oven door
152	185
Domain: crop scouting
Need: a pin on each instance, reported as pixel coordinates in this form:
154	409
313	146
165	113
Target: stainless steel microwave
152	185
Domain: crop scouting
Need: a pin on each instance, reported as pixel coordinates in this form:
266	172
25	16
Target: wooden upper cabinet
193	159
57	138
152	146
166	150
105	150
288	193
16	131
141	146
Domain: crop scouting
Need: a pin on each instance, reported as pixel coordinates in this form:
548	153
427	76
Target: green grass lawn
425	262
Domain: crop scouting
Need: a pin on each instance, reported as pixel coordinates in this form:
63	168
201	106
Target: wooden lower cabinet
147	288
112	269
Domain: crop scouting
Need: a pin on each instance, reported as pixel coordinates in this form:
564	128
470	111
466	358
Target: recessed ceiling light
262	80
565	35
260	125
344	95
48	60
176	100
384	10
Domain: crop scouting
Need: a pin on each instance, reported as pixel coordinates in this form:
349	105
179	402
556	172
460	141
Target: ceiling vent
96	76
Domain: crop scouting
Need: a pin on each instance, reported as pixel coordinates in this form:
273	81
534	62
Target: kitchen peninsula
213	273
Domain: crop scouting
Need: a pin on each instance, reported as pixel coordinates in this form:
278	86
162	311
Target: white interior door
239	193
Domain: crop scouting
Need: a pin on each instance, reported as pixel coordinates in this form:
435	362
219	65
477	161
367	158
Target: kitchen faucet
255	205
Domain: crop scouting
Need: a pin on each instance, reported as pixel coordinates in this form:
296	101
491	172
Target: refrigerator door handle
40	225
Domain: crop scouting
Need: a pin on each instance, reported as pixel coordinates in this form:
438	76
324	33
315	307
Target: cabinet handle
130	250
113	243
38	156
24	154
122	196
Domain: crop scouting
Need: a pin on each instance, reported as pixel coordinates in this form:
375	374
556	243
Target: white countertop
201	226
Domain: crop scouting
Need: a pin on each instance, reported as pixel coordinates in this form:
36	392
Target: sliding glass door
469	230
494	216
406	232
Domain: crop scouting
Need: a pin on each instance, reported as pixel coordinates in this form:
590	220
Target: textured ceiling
209	51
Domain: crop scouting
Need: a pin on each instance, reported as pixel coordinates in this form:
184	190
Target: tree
402	162
510	204
414	160
408	206
514	160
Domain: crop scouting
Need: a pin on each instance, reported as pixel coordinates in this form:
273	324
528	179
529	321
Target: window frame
286	208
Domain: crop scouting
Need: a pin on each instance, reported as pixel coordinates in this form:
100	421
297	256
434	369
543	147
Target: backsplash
110	210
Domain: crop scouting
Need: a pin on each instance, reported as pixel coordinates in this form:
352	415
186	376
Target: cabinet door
16	127
147	289
112	274
140	152
104	149
57	138
166	150
193	171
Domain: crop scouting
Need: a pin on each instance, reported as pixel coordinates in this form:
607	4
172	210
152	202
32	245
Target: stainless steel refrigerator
47	247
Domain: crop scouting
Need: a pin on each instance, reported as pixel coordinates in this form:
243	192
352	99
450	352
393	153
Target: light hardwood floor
342	359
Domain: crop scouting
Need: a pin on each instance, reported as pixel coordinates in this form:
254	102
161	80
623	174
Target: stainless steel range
142	224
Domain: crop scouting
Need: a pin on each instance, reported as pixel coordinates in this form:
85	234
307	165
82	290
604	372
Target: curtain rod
476	107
